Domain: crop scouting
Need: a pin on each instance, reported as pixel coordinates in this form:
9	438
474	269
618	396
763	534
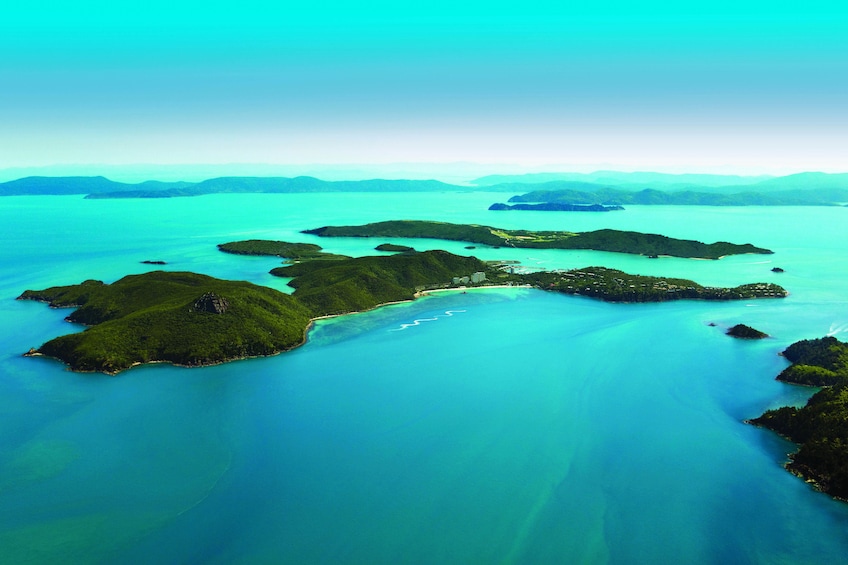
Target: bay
510	426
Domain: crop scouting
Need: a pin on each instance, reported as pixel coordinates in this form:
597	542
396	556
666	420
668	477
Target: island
363	283
393	247
192	320
557	207
154	262
612	285
285	249
742	331
599	240
820	428
176	317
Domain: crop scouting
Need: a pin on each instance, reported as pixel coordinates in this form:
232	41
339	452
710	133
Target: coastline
466	288
35	353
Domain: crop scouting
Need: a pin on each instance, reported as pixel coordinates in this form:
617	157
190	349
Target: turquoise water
506	426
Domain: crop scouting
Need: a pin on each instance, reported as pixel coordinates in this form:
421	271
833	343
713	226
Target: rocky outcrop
745	332
212	303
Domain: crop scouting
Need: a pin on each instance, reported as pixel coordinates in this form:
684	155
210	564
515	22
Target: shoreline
36	353
466	288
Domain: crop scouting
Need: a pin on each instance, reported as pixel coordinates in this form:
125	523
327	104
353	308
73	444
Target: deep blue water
506	426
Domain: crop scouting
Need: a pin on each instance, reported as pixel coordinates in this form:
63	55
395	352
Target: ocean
496	426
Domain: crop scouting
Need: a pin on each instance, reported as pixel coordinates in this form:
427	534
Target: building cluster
475	278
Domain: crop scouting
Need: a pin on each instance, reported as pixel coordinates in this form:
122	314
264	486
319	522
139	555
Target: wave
419	321
837	329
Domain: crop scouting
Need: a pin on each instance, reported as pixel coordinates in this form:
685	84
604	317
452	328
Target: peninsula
599	240
191	320
821	426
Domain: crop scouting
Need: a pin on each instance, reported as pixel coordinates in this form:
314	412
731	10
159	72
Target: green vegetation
600	240
394	248
612	285
164	316
191	319
746	332
816	362
821	426
293	251
415	229
365	282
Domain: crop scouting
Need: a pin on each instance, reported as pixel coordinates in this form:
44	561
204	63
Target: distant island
611	188
606	188
548	197
393	247
557	207
191	320
293	251
599	240
821	426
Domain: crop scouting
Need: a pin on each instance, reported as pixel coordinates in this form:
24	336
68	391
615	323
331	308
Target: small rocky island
394	248
821	426
600	240
742	331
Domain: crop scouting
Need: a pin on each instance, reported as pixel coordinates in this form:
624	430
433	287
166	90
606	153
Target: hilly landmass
605	188
363	283
821	426
57	186
176	317
564	193
599	240
625	179
101	187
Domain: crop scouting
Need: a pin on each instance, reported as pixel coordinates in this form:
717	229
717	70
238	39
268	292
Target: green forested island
190	319
362	283
612	285
599	240
394	248
293	251
821	426
182	318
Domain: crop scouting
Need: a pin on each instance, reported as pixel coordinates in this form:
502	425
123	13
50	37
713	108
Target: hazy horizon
455	173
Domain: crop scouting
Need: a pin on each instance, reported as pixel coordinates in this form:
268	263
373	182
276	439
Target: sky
752	87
